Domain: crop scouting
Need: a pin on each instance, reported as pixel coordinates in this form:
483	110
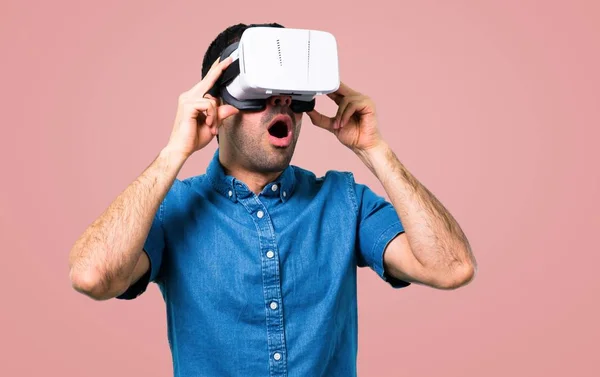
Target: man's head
245	138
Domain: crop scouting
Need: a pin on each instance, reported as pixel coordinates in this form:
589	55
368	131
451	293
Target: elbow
461	272
460	276
93	284
465	275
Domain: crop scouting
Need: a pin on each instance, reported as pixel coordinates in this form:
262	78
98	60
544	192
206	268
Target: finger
336	97
211	113
214	64
320	120
211	77
210	97
194	109
345	90
225	111
342	92
213	74
349	111
342	107
361	107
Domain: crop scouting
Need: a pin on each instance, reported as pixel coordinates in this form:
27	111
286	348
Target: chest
259	249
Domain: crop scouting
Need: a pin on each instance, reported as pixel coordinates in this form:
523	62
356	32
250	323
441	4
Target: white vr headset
270	61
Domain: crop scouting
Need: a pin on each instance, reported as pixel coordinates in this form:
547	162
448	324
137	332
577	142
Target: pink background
493	105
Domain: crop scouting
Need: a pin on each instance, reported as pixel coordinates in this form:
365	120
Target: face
262	141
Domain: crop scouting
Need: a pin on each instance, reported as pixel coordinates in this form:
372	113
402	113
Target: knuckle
187	108
191	106
185	97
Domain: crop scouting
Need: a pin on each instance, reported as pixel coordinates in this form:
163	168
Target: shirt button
260	214
230	193
274	187
284	194
273	305
277	356
270	254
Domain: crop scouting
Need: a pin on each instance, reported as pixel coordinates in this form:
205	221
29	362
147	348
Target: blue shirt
265	285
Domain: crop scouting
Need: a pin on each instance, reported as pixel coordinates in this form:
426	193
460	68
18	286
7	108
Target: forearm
103	259
435	237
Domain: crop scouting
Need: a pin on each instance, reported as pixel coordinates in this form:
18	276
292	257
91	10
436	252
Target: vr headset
270	61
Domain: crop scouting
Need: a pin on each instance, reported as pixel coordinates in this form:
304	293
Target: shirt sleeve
154	246
378	224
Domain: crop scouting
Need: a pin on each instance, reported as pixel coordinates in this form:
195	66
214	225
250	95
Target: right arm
109	256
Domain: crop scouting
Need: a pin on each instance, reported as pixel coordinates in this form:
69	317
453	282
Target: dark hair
228	36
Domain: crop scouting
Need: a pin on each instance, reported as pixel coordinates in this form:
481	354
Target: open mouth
280	131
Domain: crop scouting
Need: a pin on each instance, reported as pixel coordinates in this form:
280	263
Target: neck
256	181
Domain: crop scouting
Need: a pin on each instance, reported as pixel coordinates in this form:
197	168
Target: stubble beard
257	156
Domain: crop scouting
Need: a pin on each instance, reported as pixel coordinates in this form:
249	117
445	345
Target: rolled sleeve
378	225
154	246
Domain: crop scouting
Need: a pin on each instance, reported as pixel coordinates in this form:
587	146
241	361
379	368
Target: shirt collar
232	188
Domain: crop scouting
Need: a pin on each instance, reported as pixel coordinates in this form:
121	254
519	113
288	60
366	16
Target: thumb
321	120
225	111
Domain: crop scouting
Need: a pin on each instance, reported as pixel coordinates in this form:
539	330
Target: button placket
271	285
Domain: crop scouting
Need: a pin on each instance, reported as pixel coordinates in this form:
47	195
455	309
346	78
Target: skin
244	147
108	256
433	251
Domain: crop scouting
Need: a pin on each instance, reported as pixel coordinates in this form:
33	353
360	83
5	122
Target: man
256	259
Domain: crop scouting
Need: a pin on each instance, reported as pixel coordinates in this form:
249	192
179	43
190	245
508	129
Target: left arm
433	250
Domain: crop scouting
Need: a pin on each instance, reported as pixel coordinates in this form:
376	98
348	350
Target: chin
279	164
275	160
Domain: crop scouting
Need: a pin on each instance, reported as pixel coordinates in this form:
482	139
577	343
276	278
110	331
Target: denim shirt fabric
265	285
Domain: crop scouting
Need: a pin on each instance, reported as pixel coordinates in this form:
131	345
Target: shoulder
185	189
183	186
329	177
340	183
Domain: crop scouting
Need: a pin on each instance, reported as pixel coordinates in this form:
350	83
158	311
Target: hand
355	123
198	114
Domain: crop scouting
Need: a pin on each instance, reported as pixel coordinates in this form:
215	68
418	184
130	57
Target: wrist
173	156
380	159
374	153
